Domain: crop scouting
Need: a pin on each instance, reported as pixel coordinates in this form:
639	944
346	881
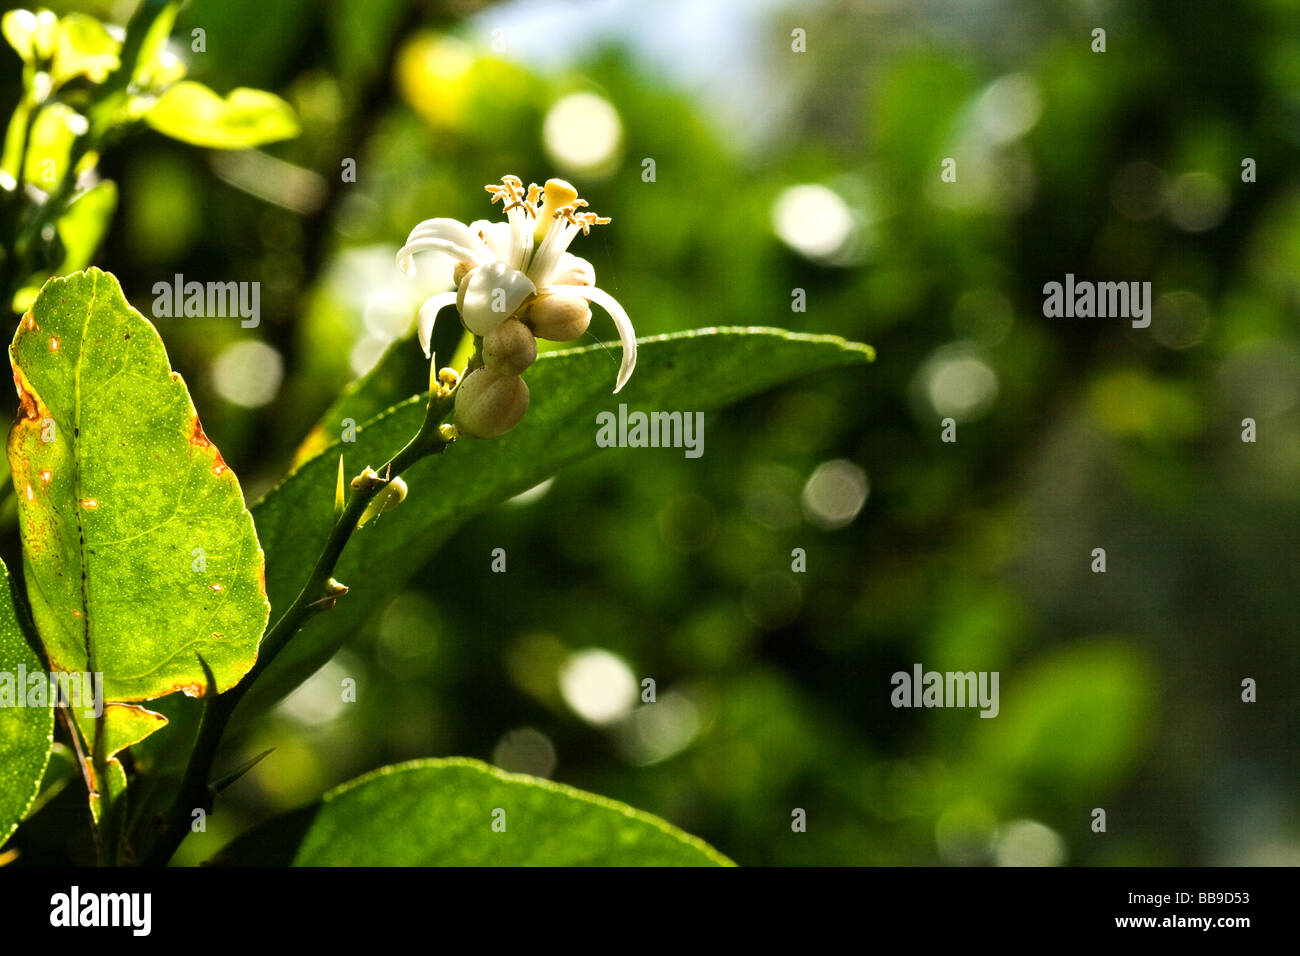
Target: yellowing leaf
138	550
192	113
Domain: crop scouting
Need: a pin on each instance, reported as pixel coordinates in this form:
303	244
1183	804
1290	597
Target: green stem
194	791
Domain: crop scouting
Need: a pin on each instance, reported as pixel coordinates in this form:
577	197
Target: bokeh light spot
834	494
1197	202
1029	843
248	374
582	133
813	221
598	686
525	750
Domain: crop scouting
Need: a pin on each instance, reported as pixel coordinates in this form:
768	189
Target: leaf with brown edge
138	549
123	725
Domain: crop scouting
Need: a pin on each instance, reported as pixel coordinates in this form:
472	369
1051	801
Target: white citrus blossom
503	267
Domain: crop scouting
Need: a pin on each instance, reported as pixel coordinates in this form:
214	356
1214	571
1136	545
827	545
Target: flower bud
392	494
490	403
581	273
558	317
510	347
366	480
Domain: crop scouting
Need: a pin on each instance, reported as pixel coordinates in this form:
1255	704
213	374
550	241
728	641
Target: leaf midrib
91	660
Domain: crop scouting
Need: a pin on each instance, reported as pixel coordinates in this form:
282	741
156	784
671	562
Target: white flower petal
521	237
626	334
492	295
446	236
496	235
547	255
428	314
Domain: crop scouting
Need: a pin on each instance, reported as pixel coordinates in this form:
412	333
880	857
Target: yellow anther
588	219
508	192
448	377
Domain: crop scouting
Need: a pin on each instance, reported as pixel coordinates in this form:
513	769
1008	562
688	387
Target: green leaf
146	42
124	725
32	35
400	373
18	27
26	733
441	813
49	148
194	114
81	229
83	226
84	48
691	371
138	550
15	138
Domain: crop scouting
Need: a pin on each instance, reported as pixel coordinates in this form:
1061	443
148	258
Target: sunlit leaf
84	48
26	733
15	137
192	113
49	147
138	550
32	35
82	228
154	20
443	812
123	725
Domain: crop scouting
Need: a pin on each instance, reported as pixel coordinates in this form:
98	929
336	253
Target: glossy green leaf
26	732
691	371
192	113
138	550
123	725
443	812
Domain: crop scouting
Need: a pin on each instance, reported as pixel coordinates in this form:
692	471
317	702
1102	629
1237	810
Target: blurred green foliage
1119	690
